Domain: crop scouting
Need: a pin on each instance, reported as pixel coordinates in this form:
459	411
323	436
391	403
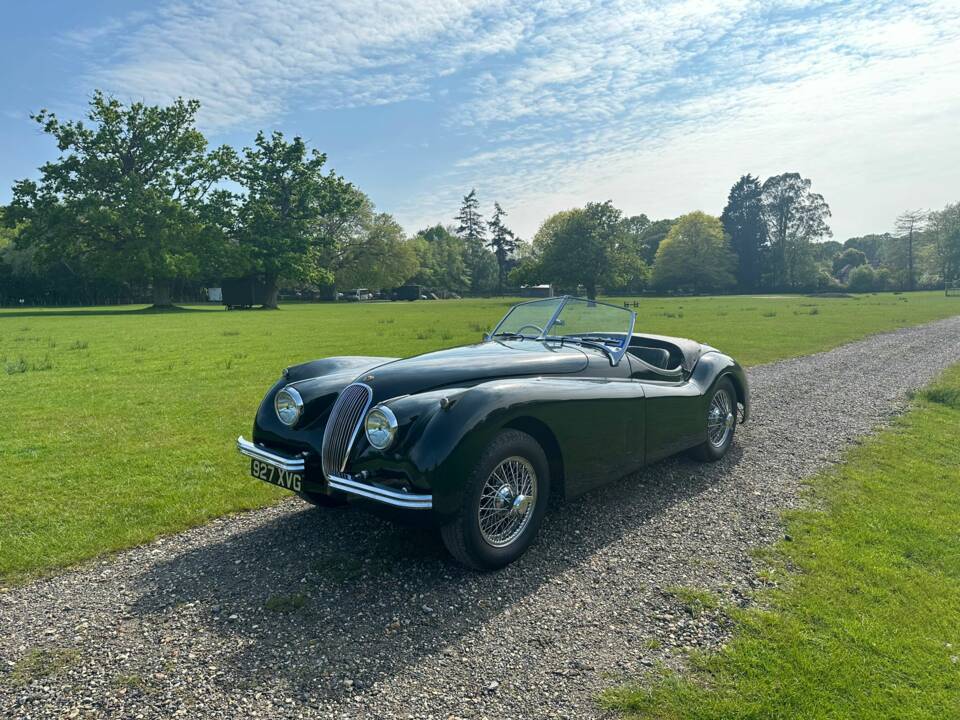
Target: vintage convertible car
561	397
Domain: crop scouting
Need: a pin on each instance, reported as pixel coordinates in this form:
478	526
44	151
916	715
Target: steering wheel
535	327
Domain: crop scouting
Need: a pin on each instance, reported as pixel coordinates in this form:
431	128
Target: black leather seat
658	357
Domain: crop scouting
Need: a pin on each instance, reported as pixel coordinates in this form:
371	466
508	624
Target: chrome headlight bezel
380	426
288	405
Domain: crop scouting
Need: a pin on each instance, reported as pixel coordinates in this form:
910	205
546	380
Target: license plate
272	474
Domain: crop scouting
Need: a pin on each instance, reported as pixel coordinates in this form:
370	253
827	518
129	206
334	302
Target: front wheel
504	503
721	423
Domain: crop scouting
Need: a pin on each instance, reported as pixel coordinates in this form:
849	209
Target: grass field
118	424
866	624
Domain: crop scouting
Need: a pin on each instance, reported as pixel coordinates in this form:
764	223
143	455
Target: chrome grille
346	418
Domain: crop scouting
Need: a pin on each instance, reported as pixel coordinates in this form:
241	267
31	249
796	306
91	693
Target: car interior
654	358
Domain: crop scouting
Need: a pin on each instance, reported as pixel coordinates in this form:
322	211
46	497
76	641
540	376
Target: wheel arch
739	386
541	432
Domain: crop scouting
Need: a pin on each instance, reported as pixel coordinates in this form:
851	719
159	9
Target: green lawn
118	425
867	622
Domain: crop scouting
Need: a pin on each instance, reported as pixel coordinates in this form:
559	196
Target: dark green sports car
561	397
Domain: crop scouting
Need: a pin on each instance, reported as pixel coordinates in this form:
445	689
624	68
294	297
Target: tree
379	258
849	258
288	210
862	279
650	238
944	227
125	196
360	247
824	252
481	265
743	222
442	259
869	245
583	247
910	223
503	243
694	256
794	216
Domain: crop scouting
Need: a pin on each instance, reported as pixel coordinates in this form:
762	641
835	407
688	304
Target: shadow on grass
119	310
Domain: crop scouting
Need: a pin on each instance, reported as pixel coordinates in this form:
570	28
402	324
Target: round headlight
289	405
381	427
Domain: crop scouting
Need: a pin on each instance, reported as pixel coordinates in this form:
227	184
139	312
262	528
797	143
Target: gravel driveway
292	612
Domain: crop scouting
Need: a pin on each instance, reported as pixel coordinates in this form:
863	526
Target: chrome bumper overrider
379	493
291	464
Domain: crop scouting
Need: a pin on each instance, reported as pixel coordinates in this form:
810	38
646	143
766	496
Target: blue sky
659	106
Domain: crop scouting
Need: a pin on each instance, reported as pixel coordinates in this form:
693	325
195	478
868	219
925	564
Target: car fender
596	426
318	383
713	366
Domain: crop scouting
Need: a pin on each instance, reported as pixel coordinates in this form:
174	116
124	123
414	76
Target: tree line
772	237
138	205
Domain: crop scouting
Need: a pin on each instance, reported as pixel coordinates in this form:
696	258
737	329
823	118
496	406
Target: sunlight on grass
120	423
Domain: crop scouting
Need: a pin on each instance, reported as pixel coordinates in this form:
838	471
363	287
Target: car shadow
315	597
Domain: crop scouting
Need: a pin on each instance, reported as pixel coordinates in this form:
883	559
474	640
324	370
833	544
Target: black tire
321	500
711	451
463	536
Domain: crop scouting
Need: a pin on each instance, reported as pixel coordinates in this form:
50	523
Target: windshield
571	319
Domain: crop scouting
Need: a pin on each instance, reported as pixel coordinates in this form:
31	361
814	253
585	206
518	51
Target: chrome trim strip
381	494
356	430
261	453
627	338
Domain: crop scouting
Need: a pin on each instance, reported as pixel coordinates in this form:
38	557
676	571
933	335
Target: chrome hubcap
507	501
720	418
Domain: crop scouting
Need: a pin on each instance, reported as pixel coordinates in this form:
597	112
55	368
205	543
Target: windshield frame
615	354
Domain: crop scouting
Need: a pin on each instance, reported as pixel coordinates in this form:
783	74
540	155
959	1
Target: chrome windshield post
553	318
614	361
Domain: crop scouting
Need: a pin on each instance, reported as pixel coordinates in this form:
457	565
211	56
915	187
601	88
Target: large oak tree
795	217
287	207
694	257
127	197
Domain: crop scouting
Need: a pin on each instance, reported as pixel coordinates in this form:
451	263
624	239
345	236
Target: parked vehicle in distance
355	295
242	293
561	397
407	292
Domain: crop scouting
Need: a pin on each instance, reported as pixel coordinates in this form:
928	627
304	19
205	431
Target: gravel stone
182	627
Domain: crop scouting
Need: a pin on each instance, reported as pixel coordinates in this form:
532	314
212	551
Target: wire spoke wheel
507	501
720	418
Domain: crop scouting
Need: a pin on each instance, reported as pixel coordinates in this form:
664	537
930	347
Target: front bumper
347	484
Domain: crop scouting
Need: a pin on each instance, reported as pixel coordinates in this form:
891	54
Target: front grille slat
343	426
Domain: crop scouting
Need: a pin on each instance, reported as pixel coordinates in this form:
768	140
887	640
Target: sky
542	106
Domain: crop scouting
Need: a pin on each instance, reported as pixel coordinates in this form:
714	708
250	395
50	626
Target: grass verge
866	624
117	424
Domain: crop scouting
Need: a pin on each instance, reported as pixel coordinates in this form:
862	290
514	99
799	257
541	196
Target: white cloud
860	98
251	60
657	105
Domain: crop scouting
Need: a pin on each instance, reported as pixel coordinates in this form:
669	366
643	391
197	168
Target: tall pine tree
472	231
743	221
502	241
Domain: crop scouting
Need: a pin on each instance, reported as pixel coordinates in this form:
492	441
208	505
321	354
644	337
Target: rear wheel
721	423
504	503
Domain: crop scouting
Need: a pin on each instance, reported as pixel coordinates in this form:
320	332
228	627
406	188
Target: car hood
471	364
